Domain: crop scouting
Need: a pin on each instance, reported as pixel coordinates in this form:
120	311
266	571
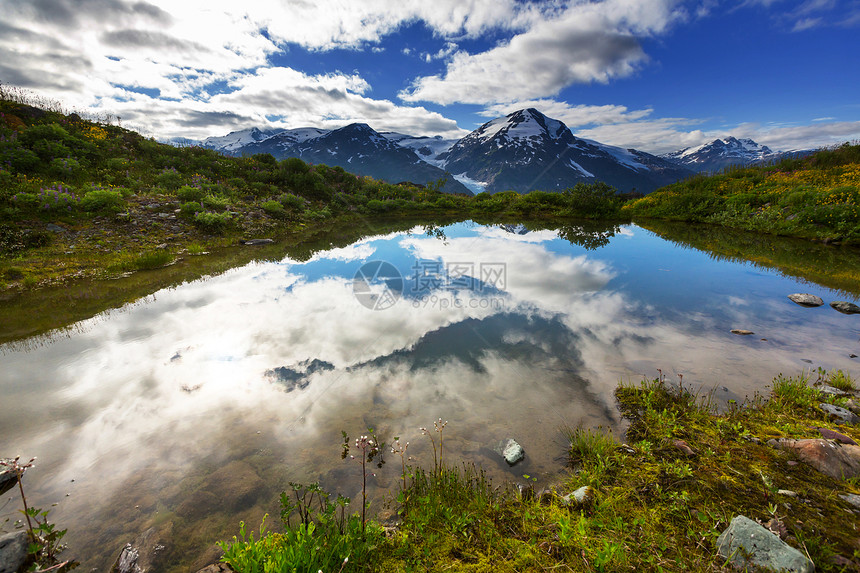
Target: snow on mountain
235	140
526	151
721	153
427	148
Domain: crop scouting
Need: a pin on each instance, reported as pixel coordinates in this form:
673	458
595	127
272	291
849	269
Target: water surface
190	409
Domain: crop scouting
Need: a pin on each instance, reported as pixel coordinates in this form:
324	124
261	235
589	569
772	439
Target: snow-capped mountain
721	153
235	140
527	150
357	148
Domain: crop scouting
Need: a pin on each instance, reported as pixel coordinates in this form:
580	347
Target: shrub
102	200
169	179
215	223
290	201
215	202
65	167
190	209
188	193
274	209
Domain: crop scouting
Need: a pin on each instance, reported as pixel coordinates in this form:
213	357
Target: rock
845	307
841	414
742	332
511	451
13	551
746	544
830	390
684	448
582	496
851	498
145	552
840	461
55	228
216	568
258	242
8	478
831	435
806	299
236	485
786	492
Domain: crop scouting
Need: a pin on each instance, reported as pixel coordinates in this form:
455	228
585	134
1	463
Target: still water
194	407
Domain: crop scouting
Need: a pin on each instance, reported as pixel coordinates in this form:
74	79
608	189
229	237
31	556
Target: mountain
527	150
235	140
721	153
359	149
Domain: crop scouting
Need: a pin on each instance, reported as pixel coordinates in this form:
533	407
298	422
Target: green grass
841	380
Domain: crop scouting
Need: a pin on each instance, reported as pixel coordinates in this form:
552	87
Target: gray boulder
511	451
845	307
746	544
13	551
806	299
840	414
254	242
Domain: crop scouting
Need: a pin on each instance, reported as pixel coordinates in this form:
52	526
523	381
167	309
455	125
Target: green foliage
102	201
274	209
290	201
215	223
841	380
188	193
190	209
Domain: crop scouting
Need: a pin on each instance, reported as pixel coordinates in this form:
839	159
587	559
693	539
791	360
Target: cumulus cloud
587	42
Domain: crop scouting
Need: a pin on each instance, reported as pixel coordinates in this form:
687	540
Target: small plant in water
438	425
368	449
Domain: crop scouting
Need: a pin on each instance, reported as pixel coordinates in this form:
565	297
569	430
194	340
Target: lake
192	408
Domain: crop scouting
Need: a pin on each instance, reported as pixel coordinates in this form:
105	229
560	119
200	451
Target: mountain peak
720	153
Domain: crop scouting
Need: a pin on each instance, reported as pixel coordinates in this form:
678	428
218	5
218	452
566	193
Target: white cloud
587	42
571	115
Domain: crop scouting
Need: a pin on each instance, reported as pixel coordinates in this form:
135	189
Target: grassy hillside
815	197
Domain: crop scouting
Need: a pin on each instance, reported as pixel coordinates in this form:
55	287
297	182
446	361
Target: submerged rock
13	551
806	299
845	307
840	461
747	544
253	242
144	553
511	451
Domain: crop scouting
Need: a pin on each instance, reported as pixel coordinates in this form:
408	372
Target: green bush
190	209
169	179
102	200
290	201
215	223
215	202
188	193
274	209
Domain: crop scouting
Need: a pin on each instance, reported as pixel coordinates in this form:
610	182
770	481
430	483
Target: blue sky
656	75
